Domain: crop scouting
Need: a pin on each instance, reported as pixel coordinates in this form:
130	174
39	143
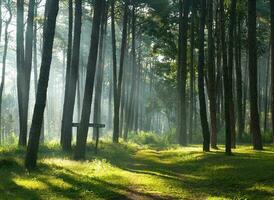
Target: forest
136	99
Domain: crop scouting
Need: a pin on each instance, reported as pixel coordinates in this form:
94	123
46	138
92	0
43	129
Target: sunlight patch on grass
59	183
32	184
263	188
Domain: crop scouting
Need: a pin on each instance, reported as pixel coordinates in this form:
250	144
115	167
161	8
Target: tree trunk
252	47
35	131
20	70
225	80
182	72
66	109
272	65
130	114
232	26
211	77
73	78
192	73
100	74
82	131
118	86
203	112
2	85
239	80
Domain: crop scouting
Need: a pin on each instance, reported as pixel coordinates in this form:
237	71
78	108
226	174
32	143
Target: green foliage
145	138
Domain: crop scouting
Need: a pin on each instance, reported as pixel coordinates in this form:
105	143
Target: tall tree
239	81
118	87
252	49
182	72
114	71
203	113
225	80
20	70
67	109
130	109
192	72
73	78
211	76
37	119
272	64
231	42
88	92
100	74
6	41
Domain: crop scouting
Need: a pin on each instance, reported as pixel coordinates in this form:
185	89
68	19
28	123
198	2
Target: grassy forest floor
139	173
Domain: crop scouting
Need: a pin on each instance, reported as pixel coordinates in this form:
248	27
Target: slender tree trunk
100	74
239	81
82	131
225	79
211	77
20	70
203	112
117	96
192	73
182	72
130	115
232	26
73	78
35	131
2	85
266	98
115	137
272	65
65	119
252	46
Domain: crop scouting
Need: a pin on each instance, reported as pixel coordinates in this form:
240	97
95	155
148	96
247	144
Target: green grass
135	172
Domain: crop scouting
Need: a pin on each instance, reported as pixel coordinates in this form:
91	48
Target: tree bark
130	114
239	81
182	72
211	77
20	70
73	78
66	109
252	47
272	65
118	87
82	132
203	112
100	74
37	120
232	26
2	85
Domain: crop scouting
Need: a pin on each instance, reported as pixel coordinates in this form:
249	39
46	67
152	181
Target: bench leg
97	140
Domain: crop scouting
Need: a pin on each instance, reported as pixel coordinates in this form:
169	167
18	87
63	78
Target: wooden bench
97	127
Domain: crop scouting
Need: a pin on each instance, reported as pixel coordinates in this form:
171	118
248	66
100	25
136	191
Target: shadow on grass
242	176
9	189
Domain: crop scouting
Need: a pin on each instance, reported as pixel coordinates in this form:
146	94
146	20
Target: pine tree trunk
211	76
239	81
272	65
100	74
20	70
252	46
225	80
35	131
2	85
73	78
232	26
82	132
182	72
66	109
203	112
